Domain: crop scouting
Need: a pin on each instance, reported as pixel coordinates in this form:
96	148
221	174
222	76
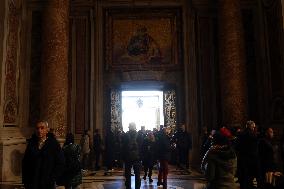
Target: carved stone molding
143	75
13	19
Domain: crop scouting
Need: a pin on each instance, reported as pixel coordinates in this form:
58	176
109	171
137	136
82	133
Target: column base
11	154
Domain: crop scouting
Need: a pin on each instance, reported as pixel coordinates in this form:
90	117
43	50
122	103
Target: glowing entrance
145	108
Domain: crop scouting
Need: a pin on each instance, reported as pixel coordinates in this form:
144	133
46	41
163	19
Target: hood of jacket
224	156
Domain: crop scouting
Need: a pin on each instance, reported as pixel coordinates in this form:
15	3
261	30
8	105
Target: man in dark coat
268	166
109	151
247	151
184	144
163	155
97	142
131	156
43	161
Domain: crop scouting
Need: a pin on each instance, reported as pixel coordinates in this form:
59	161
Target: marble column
54	70
232	63
282	2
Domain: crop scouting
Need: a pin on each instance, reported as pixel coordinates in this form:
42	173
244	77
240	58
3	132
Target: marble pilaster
282	2
12	143
232	64
55	65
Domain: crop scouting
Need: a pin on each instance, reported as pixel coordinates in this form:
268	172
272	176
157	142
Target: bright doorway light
145	108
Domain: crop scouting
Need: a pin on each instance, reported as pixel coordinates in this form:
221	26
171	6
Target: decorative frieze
13	42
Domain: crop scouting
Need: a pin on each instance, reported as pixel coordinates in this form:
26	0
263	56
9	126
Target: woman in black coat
148	155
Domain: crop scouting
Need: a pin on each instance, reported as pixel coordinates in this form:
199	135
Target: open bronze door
116	108
170	108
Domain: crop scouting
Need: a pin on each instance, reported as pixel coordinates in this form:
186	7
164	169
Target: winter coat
266	156
183	140
42	167
97	143
85	144
163	147
220	167
109	151
148	152
72	174
130	147
247	150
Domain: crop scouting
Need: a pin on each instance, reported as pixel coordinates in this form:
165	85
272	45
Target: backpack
132	147
73	164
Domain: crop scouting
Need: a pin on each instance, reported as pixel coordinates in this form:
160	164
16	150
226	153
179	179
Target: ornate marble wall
2	18
197	81
283	11
12	46
274	67
12	142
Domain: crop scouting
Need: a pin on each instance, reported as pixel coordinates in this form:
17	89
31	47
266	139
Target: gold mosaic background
160	29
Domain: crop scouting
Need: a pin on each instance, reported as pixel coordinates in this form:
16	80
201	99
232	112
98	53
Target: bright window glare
145	108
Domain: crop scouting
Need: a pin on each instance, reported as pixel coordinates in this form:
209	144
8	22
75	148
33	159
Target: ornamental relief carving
13	22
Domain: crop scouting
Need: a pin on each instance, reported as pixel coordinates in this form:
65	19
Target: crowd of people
245	156
229	156
145	149
46	164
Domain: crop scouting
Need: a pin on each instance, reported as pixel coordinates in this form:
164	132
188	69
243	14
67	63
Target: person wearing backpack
72	174
131	157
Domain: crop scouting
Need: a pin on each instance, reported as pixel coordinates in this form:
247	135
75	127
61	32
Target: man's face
269	133
167	130
41	130
182	127
252	127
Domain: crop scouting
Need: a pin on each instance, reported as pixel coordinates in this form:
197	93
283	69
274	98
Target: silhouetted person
220	164
248	162
148	155
85	149
72	175
97	142
268	167
183	144
207	142
131	156
109	151
163	155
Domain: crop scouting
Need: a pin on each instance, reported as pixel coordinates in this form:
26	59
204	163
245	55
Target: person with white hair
131	157
43	161
132	126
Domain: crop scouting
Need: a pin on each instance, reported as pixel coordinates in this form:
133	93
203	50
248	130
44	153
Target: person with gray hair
43	160
247	152
131	157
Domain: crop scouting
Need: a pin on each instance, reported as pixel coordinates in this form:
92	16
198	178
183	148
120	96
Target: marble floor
177	179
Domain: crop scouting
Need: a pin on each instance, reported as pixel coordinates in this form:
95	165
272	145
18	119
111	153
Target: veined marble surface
177	179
